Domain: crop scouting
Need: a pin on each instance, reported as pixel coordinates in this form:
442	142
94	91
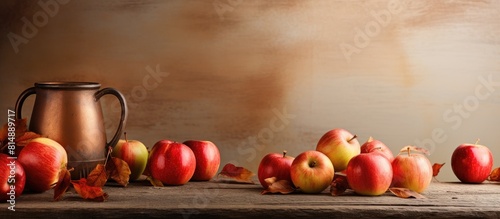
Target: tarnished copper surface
70	113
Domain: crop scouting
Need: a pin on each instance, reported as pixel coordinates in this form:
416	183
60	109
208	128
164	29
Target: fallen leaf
98	176
87	192
239	174
20	130
435	168
21	126
495	175
118	170
25	138
280	186
154	182
414	148
406	193
62	184
339	185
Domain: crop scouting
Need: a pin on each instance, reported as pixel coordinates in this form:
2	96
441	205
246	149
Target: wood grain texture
234	67
222	200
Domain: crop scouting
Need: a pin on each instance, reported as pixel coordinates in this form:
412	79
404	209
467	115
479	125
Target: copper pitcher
70	113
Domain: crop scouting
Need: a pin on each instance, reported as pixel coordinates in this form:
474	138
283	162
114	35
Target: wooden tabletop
230	200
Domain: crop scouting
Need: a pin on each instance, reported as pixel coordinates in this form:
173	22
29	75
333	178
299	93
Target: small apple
172	163
134	153
411	171
12	178
340	146
375	146
274	165
472	163
42	159
369	174
207	159
312	172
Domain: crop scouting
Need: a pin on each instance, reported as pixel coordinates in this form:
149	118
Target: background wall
261	76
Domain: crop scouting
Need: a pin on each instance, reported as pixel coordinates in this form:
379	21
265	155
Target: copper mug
71	114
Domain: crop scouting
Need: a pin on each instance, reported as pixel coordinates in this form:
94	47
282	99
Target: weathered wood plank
222	200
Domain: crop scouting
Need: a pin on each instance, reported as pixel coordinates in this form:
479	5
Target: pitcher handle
124	112
20	100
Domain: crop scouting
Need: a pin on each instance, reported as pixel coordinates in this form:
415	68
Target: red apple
134	153
340	146
172	163
161	142
376	146
12	178
42	159
312	172
412	171
472	163
369	174
274	165
146	171
207	159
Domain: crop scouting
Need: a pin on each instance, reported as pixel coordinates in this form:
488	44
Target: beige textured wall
262	76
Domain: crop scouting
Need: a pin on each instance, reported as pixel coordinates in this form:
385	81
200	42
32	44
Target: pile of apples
37	168
371	168
172	163
40	162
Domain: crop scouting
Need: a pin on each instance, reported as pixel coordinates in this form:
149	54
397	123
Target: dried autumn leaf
435	168
87	192
118	170
406	193
413	148
21	126
62	184
20	129
25	138
98	176
280	186
154	182
339	185
239	174
495	175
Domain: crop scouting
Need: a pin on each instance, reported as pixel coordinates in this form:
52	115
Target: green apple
134	153
340	146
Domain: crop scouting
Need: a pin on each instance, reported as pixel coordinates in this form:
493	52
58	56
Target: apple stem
284	153
477	141
408	149
125	135
376	148
353	137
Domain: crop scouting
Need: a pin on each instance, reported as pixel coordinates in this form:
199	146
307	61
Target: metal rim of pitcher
68	85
